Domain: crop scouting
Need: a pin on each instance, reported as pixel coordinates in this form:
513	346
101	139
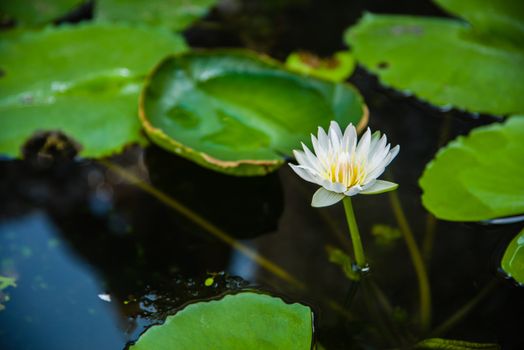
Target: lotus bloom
342	167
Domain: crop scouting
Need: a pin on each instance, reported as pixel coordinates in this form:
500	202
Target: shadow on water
76	234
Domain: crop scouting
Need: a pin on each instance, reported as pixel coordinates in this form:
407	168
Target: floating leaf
174	14
85	82
513	259
500	19
337	68
36	12
449	344
241	321
237	112
442	61
478	177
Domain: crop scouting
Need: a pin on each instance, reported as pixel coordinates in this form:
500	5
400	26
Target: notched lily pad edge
221	297
441	106
242	167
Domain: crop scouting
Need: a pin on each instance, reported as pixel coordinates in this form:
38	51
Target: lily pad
479	176
85	82
237	112
442	61
174	14
513	259
500	19
36	12
236	322
337	68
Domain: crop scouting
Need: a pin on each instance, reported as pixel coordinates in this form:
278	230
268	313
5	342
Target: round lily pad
513	259
479	176
236	322
238	112
83	80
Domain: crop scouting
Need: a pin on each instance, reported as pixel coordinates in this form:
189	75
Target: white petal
332	186
353	190
323	140
305	174
380	186
363	146
324	198
335	135
350	139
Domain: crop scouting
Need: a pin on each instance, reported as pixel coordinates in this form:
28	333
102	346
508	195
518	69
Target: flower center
347	172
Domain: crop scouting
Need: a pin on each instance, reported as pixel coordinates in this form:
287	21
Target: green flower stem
417	260
353	231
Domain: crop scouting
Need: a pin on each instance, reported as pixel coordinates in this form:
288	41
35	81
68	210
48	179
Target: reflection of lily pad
513	259
236	322
237	112
37	12
336	68
442	61
478	177
174	14
85	82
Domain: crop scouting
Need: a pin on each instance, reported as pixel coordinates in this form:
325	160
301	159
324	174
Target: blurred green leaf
174	14
500	20
83	80
338	257
36	12
385	235
238	112
444	61
513	260
337	68
448	344
236	322
479	176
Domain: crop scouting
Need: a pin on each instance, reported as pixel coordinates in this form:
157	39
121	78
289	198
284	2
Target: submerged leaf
85	82
449	344
238	112
236	322
174	14
442	61
513	260
338	257
479	176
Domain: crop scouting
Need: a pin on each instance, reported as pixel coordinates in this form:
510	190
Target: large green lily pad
513	259
479	176
174	14
443	61
236	322
237	112
83	80
36	12
500	19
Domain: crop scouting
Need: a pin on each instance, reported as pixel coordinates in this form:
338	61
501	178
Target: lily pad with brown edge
85	83
238	112
336	68
240	321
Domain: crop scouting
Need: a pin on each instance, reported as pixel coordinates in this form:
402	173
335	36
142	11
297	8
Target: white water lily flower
342	167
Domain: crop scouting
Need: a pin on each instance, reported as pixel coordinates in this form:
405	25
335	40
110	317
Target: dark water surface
98	259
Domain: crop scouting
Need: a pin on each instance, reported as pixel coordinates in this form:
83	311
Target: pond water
102	250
